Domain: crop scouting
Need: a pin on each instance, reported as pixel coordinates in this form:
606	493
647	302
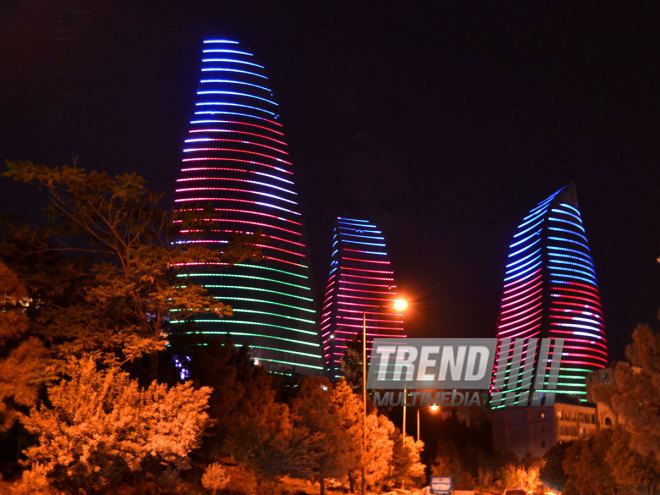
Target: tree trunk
154	365
351	482
322	485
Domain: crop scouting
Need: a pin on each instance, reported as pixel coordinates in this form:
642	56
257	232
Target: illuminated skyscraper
360	285
550	290
235	160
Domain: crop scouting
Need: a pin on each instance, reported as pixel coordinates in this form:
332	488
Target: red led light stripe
368	261
233	131
284	261
385	279
248	212
348	282
234	150
368	271
236	141
251	125
222	159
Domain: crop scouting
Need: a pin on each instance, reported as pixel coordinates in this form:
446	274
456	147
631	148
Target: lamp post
364	399
433	408
399	305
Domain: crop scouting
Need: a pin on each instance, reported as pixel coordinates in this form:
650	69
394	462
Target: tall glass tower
360	291
550	290
235	159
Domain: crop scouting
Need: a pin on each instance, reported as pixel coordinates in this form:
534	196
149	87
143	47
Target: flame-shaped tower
235	159
550	291
360	291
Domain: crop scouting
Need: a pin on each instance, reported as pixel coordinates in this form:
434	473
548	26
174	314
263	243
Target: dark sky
442	122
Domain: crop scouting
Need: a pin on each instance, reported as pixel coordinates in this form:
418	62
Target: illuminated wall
235	159
360	283
550	290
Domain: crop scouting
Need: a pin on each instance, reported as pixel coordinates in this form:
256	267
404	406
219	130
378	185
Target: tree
215	477
632	471
406	464
448	463
585	468
519	476
552	472
130	290
351	363
635	392
21	354
379	450
320	409
349	418
100	427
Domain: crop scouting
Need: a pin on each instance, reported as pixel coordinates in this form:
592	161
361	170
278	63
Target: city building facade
360	291
235	163
550	291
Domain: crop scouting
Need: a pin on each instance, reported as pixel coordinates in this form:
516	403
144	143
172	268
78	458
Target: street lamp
399	305
433	409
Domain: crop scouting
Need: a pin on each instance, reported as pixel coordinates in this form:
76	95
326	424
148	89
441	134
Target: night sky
444	123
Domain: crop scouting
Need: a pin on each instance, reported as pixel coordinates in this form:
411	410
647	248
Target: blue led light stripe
225	69
231	104
529	246
568	222
565	239
513	263
225	50
231	61
235	93
572	232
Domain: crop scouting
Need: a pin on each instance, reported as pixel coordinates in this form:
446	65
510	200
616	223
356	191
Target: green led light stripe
291	363
259	289
239	322
260	267
281	350
571	392
244	334
571	384
251	277
264	301
236	310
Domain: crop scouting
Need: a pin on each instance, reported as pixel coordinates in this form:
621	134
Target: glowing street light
433	409
400	305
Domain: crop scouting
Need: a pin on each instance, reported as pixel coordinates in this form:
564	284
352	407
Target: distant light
324	387
256	361
400	304
434	408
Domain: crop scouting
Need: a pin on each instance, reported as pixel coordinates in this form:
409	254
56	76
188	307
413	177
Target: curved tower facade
235	159
360	289
550	291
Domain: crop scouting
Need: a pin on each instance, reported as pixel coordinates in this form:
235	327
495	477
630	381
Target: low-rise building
531	431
